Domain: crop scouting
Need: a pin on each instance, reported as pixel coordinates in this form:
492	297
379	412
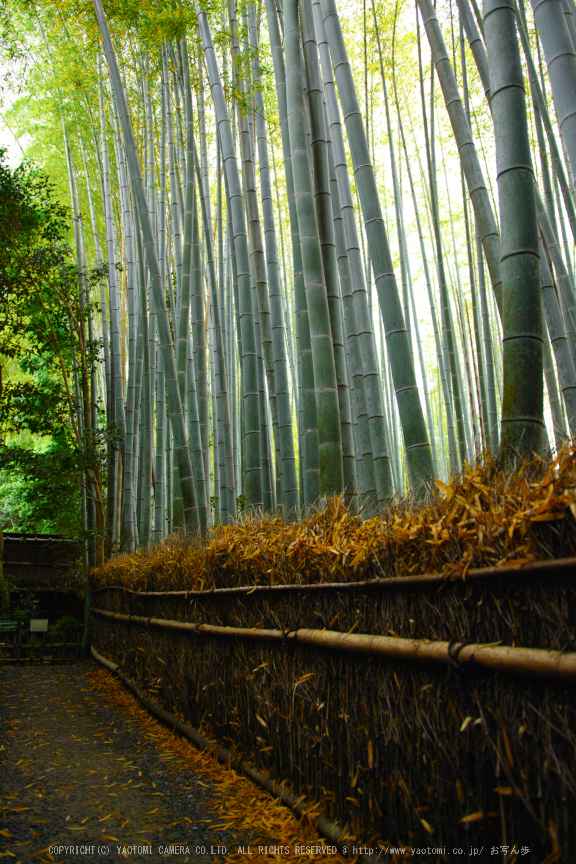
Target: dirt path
76	772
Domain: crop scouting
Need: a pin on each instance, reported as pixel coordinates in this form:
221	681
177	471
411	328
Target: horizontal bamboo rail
530	662
325	827
553	567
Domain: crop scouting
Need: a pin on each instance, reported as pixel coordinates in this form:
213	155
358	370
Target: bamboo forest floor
83	765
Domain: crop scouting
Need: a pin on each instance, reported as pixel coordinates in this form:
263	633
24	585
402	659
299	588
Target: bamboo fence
406	722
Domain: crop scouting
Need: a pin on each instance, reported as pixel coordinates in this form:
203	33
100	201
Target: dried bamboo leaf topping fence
484	519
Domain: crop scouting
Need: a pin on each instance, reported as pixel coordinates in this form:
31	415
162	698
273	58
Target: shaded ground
76	771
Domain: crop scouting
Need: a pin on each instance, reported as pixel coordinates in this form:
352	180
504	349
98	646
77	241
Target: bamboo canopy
327	253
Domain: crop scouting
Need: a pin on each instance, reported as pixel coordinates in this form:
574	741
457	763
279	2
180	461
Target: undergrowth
485	517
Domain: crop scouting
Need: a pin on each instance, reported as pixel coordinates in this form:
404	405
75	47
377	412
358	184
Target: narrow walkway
76	772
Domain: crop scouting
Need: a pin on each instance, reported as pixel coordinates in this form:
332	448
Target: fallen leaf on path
473	817
40	852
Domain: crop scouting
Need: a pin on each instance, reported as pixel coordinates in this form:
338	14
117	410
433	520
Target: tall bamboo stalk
325	381
322	199
466	148
308	417
251	412
522	406
282	393
418	451
167	347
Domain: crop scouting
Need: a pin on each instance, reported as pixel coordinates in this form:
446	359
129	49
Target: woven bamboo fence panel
400	752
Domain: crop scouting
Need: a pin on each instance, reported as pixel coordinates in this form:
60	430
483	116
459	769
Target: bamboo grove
305	286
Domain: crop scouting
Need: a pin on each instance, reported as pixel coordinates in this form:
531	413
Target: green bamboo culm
561	61
466	147
417	446
325	381
165	335
322	195
309	460
287	455
250	396
523	389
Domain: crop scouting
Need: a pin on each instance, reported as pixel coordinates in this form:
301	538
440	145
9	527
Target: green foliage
40	488
40	315
33	260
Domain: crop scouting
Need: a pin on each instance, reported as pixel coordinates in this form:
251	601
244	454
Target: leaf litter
240	806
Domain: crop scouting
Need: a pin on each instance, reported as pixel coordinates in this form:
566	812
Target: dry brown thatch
484	518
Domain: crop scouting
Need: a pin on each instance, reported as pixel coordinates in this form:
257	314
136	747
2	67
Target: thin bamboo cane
253	489
439	352
174	403
466	147
419	457
307	410
282	395
361	310
449	345
561	62
557	333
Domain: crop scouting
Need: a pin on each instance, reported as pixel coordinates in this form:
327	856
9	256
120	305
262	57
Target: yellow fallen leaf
40	852
109	837
426	825
503	790
305	677
472	817
5	833
105	817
